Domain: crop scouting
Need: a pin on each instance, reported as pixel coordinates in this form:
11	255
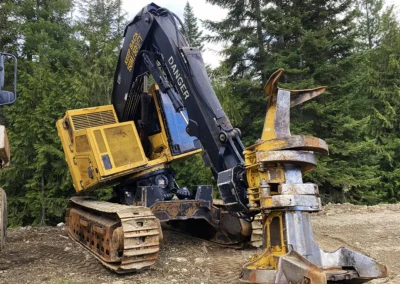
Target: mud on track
47	255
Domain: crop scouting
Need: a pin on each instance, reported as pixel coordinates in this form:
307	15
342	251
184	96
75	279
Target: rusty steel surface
82	227
294	268
201	219
308	202
4	148
296	96
123	238
301	96
272	84
300	189
295	142
366	267
306	160
282	114
3	218
180	209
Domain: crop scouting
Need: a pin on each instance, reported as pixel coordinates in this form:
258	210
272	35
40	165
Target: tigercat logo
133	51
178	78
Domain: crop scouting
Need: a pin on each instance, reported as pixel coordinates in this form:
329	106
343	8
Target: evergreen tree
232	102
369	146
245	55
381	83
38	180
61	66
100	27
369	22
8	29
191	27
314	41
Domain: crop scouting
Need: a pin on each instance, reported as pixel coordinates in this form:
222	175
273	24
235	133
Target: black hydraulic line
162	83
173	16
183	28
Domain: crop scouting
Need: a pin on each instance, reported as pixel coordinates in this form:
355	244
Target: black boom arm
154	45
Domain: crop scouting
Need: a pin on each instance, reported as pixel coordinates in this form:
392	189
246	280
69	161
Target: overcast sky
202	10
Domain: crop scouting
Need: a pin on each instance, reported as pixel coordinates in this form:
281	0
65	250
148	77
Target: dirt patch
372	230
47	255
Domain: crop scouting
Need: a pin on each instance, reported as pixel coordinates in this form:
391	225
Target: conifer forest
67	52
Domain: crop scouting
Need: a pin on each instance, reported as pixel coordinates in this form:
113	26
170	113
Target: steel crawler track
124	238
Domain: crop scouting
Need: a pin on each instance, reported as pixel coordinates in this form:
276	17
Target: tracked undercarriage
124	238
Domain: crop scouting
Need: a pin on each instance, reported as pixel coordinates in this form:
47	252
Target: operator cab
181	142
159	125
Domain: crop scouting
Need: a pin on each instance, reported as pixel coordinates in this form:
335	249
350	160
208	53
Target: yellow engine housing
100	149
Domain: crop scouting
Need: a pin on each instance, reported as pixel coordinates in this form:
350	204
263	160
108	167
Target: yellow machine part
273	229
98	148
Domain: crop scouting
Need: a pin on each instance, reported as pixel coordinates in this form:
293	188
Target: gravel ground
47	255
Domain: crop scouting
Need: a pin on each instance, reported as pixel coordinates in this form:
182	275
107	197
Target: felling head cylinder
274	168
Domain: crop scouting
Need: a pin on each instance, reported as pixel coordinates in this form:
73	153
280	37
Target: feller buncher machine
134	142
6	97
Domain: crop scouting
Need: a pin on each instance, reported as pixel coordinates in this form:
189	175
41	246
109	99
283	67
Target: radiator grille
83	121
123	144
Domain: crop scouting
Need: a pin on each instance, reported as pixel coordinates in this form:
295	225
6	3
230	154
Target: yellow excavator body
100	149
